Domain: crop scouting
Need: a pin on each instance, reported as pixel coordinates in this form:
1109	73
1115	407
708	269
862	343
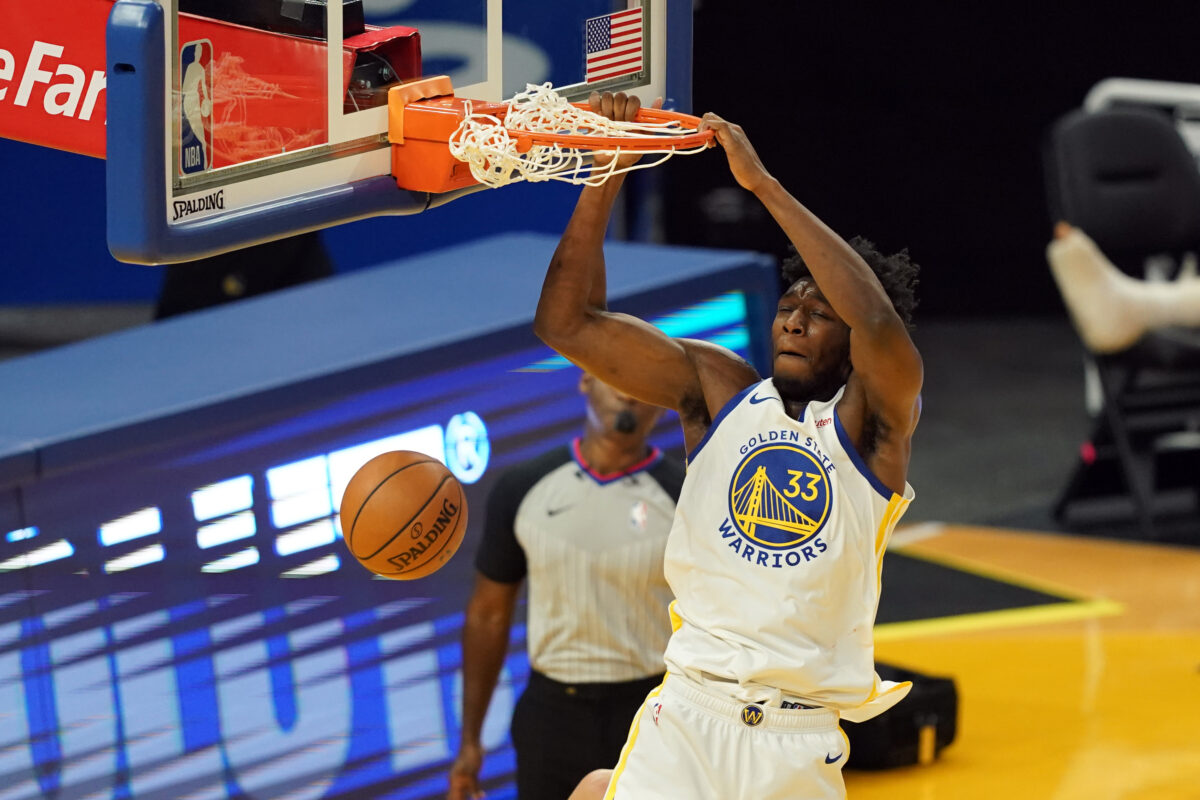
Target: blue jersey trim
861	465
722	414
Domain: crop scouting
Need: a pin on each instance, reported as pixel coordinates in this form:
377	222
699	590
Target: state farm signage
67	89
52	78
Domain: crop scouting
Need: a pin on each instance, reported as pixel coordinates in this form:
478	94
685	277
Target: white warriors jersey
775	557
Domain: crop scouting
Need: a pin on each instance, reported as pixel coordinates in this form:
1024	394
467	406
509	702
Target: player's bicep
632	356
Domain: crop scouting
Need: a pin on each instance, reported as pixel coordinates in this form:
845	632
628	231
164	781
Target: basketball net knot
544	137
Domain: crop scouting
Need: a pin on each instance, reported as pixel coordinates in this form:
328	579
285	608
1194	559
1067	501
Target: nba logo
638	515
195	107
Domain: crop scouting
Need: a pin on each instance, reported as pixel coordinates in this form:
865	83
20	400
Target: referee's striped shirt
591	546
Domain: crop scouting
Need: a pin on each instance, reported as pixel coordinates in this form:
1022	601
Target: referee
586	524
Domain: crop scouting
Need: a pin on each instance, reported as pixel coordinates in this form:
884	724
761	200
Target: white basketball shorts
688	741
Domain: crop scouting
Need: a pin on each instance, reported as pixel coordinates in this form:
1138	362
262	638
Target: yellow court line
1004	618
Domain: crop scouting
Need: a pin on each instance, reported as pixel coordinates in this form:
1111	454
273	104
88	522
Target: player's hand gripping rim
744	163
622	108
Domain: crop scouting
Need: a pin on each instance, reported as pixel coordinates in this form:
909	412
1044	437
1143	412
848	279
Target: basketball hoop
540	136
536	136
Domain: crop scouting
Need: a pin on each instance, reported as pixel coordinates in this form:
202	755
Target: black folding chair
1127	179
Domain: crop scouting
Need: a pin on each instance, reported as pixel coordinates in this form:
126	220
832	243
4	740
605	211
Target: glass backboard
236	123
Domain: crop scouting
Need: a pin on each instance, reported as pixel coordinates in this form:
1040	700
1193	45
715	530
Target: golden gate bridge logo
779	496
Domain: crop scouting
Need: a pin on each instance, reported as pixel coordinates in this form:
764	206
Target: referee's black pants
561	732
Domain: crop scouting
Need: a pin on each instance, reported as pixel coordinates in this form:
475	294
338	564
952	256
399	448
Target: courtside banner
268	89
52	74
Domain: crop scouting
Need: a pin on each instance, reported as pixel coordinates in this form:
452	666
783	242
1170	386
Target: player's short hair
897	273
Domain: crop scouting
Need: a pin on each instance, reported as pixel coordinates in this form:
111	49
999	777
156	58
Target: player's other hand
744	163
622	108
619	106
464	773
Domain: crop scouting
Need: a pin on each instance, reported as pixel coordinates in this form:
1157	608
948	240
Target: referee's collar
646	463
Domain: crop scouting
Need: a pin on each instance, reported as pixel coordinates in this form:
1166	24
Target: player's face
811	344
612	411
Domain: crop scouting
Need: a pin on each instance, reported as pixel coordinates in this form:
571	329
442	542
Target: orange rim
527	139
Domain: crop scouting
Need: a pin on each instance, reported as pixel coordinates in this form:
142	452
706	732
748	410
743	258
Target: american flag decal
613	45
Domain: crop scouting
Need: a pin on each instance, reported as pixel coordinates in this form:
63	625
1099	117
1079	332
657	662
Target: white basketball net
489	146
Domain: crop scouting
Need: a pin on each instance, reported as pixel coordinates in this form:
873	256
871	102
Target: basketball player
793	487
586	523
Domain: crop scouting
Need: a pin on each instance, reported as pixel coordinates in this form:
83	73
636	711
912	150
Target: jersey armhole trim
857	460
722	414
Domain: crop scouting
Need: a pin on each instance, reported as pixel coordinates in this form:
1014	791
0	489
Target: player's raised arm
623	351
885	360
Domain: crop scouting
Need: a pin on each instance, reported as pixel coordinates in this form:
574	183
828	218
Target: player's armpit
722	372
888	366
880	423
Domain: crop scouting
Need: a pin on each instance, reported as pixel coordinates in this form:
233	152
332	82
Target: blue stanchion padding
200	373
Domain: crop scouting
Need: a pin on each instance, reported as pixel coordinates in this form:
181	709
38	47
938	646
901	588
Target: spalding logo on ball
403	515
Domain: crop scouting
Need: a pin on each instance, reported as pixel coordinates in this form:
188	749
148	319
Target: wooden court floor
1098	699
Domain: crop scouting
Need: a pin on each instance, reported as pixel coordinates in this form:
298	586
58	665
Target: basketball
403	515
